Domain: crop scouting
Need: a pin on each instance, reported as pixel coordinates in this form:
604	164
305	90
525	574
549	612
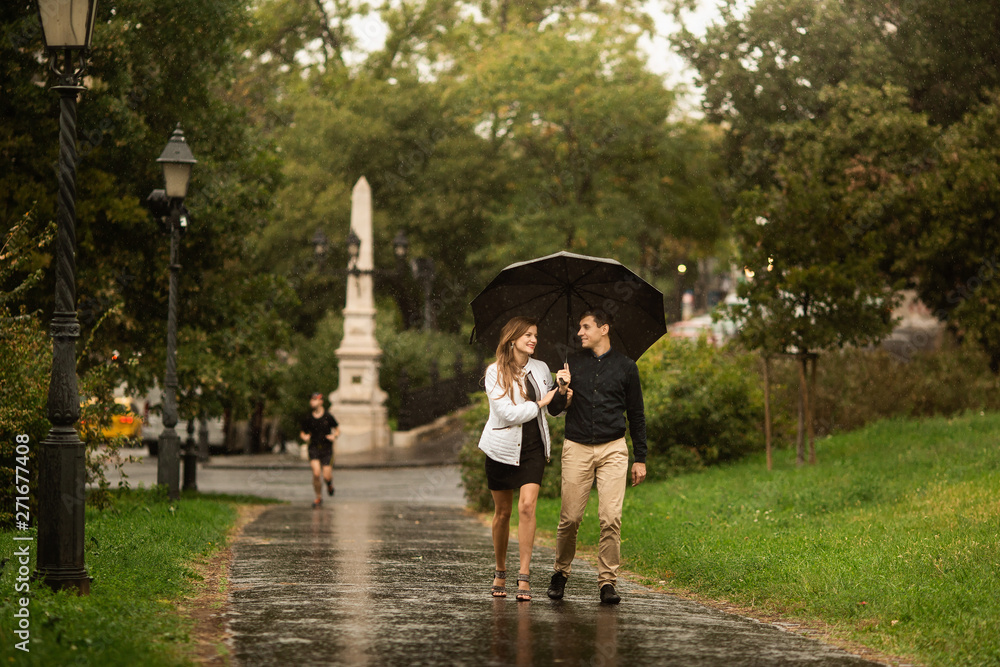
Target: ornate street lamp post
411	277
177	161
400	244
67	28
353	249
320	246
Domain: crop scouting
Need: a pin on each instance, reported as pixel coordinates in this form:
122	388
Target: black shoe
608	594
557	587
329	487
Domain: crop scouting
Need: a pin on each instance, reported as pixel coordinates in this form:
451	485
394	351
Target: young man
605	386
319	430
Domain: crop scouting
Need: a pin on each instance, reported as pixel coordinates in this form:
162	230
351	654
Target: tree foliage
954	249
489	133
144	76
487	138
25	370
871	122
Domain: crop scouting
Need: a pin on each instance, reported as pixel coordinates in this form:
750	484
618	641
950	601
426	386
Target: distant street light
67	28
320	245
177	161
404	279
400	244
353	250
422	271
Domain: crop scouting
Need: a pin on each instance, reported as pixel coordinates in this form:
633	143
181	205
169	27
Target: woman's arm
502	405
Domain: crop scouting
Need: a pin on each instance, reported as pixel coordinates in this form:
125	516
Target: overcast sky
662	59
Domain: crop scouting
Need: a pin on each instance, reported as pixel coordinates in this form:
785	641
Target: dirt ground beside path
207	608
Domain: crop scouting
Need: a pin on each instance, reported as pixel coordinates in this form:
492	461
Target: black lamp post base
168	463
61	500
190	470
65	578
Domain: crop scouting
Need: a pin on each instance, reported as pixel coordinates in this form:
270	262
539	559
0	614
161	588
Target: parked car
125	422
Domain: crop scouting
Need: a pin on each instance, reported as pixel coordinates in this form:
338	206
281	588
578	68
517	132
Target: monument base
363	427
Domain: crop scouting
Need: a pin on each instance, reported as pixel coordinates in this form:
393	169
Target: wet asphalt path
393	571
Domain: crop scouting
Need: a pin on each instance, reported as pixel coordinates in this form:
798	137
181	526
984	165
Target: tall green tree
776	62
768	64
523	130
816	259
145	75
954	247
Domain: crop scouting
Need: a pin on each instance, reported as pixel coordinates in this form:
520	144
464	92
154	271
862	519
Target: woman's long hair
508	370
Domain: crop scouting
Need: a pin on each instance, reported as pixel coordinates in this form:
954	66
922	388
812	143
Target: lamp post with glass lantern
353	250
421	270
402	279
177	161
67	28
320	246
400	244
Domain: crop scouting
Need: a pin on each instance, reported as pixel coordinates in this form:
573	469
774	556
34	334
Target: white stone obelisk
359	403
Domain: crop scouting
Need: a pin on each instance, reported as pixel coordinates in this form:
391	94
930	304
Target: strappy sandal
499	591
523	595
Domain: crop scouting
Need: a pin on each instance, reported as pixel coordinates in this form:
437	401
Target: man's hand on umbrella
563	377
638	473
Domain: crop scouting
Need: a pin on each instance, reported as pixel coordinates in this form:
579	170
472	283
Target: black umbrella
556	289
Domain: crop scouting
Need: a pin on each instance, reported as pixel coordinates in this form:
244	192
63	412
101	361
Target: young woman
516	442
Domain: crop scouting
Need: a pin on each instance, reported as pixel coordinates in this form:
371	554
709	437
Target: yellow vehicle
127	423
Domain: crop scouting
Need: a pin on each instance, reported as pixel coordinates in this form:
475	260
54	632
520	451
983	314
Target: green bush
25	365
703	405
855	387
315	368
415	350
25	370
471	458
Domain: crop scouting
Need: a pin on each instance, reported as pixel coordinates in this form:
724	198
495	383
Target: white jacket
501	439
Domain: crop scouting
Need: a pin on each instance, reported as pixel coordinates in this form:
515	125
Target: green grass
893	539
139	554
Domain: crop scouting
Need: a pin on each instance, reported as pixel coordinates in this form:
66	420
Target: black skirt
503	477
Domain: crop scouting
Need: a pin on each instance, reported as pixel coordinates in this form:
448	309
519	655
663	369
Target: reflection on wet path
372	583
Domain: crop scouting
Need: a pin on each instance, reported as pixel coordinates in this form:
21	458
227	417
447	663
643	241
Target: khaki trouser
580	465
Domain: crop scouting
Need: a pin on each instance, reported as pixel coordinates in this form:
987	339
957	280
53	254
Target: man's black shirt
318	428
604	388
